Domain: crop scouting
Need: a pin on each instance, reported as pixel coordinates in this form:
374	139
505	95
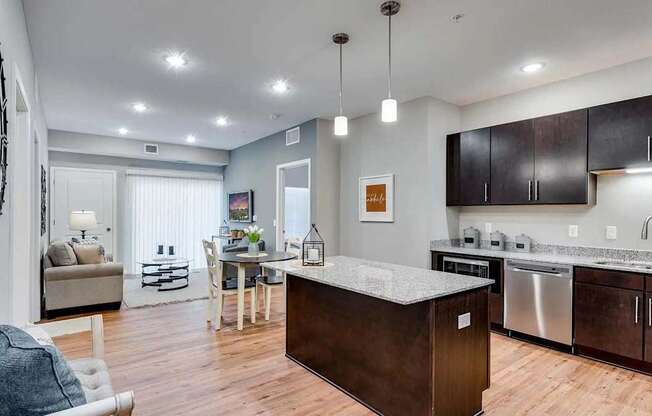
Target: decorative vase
253	248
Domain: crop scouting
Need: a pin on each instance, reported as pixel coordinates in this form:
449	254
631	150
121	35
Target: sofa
71	286
36	379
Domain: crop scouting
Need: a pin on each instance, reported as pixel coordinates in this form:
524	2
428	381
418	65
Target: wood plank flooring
177	365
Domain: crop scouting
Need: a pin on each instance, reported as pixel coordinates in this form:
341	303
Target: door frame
280	194
114	219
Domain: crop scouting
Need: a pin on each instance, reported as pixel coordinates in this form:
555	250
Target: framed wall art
241	206
44	200
376	198
4	143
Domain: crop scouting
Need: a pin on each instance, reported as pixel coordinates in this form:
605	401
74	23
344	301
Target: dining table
244	260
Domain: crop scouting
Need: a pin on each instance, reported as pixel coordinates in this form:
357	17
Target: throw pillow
34	379
88	241
61	254
88	253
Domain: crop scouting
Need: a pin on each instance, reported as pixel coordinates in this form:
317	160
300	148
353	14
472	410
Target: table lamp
82	221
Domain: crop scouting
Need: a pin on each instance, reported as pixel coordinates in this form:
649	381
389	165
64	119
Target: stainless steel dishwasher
539	300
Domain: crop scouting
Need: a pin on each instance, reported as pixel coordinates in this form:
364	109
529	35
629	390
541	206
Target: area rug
136	296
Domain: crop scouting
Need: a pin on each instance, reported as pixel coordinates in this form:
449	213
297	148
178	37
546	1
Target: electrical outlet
464	320
611	232
487	227
573	231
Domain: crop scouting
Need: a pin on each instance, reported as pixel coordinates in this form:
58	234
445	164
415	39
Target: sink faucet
644	230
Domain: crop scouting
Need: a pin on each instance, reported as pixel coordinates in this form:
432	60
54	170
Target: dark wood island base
395	359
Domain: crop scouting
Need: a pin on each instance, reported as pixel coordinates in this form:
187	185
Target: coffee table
166	273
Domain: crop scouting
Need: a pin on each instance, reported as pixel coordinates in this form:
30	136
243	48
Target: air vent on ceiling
151	149
292	136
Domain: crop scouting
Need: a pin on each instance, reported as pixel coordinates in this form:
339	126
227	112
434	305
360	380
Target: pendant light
389	105
341	124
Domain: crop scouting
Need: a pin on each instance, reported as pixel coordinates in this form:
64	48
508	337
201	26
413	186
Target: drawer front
648	283
623	280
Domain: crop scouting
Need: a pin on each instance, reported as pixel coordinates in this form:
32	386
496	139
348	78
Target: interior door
83	189
475	159
560	158
512	163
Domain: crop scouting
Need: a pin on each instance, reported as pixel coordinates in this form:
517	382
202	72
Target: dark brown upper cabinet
512	163
468	167
560	159
619	134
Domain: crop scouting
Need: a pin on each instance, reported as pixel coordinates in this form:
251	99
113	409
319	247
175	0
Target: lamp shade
389	110
341	126
82	220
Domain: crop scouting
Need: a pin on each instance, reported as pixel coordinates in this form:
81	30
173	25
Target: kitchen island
400	340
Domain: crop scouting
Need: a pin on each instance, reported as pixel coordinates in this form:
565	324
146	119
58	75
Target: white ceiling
96	57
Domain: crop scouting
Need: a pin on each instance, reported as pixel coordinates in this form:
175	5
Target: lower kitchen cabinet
607	319
648	325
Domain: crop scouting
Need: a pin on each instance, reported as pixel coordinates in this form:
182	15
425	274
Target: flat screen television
241	206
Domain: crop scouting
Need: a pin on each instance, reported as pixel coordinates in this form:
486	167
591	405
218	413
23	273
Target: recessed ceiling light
222	121
280	86
139	107
534	67
123	131
274	116
190	138
176	60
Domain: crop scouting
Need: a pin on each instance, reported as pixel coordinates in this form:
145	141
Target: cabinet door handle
536	190
529	190
636	316
649	155
649	312
486	192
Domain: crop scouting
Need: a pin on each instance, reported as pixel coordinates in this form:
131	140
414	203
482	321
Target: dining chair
266	283
219	286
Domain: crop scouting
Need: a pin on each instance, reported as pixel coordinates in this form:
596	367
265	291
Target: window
177	211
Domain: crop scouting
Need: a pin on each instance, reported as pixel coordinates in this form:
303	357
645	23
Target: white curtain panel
297	213
171	211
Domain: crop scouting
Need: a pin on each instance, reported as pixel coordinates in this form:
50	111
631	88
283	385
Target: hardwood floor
178	366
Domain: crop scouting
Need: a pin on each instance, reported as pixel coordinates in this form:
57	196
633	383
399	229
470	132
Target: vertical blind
171	211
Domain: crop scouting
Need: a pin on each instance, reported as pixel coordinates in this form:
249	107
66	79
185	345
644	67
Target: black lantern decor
313	248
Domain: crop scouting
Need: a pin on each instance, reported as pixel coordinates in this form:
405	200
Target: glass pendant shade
341	126
389	110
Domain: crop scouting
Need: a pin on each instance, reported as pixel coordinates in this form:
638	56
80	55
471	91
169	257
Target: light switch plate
464	320
573	231
611	232
255	218
487	227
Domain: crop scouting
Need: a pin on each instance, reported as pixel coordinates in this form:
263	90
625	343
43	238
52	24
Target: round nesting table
166	273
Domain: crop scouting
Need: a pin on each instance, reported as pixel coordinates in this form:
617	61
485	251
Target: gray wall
327	192
65	141
14	43
120	166
297	177
253	166
413	149
622	201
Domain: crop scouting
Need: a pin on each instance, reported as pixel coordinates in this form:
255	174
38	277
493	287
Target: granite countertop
399	284
586	261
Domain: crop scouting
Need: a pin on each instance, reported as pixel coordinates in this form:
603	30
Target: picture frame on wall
44	199
241	206
376	198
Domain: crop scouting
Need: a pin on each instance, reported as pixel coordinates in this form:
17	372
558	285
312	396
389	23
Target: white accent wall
622	201
19	292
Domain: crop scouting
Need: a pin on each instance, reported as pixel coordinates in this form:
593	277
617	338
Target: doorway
23	276
76	189
293	191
